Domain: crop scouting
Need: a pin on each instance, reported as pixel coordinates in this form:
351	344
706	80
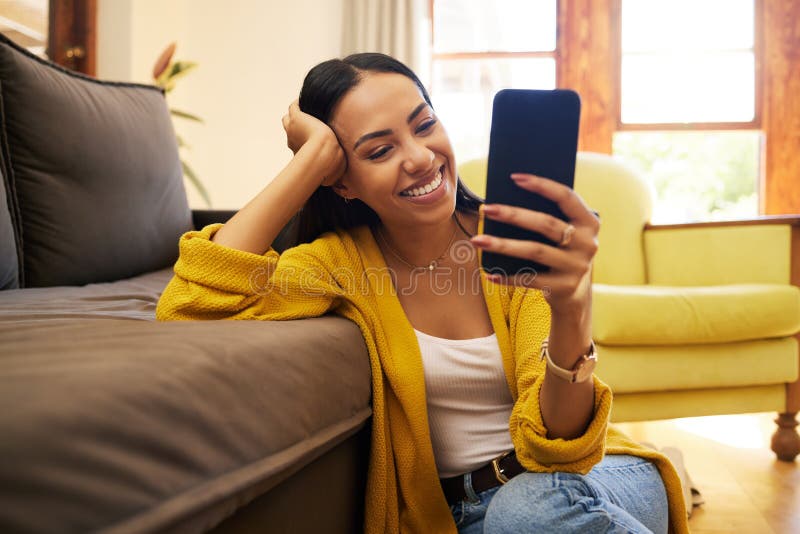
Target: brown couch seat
110	422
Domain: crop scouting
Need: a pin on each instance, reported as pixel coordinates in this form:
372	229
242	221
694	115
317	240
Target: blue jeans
622	494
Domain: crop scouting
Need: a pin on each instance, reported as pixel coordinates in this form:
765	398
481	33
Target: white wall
252	57
132	34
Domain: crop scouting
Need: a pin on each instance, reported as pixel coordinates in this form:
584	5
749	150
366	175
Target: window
688	114
678	89
480	47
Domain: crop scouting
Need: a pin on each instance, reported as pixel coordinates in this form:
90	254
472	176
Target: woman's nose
418	158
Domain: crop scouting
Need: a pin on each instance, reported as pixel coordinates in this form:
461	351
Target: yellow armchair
690	319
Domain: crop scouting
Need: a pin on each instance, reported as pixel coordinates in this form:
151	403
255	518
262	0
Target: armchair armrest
791	220
760	250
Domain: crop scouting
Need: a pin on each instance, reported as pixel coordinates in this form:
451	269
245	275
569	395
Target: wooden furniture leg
785	440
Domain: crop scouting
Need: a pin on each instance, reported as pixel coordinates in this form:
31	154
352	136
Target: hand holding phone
533	132
535	230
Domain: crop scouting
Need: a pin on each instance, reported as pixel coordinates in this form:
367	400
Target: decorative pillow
94	170
9	261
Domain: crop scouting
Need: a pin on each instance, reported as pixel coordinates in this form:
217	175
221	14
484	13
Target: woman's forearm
257	224
567	408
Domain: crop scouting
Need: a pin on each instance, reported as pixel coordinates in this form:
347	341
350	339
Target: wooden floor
745	488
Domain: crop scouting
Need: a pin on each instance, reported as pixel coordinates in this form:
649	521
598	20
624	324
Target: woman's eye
378	153
425	126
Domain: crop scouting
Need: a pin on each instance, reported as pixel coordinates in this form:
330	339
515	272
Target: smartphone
536	132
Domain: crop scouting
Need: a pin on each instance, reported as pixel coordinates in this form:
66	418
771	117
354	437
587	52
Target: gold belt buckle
498	471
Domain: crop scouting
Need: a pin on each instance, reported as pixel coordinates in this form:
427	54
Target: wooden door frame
72	35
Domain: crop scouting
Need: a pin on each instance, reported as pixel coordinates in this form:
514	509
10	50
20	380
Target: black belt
497	472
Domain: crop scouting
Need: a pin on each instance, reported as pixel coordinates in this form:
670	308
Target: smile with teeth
431	186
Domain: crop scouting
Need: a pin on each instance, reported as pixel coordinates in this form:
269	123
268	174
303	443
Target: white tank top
469	402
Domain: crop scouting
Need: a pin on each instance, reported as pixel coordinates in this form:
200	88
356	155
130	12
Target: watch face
585	368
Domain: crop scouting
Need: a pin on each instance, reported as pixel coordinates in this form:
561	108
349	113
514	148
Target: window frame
588	59
554	54
755	124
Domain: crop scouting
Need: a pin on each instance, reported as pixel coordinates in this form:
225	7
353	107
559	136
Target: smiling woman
473	385
354	86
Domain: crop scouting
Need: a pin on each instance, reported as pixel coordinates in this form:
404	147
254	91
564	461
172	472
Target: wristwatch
582	370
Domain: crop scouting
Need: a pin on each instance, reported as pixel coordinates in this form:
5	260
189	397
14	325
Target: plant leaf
192	177
167	86
185	115
163	60
163	78
180	68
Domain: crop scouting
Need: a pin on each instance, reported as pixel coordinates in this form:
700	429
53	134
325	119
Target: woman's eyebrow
416	111
381	133
373	135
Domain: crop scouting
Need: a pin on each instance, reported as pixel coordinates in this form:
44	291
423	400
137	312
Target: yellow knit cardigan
345	273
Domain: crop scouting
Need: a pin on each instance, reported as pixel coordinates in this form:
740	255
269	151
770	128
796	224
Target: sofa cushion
9	261
132	298
139	426
94	169
668	315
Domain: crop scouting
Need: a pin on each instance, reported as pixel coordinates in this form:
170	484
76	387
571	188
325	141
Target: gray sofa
112	421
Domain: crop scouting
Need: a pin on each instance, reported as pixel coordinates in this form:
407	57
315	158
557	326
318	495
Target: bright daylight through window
688	105
687	114
480	47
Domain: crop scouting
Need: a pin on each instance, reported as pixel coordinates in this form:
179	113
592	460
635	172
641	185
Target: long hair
323	88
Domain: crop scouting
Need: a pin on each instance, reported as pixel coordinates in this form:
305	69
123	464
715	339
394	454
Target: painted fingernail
490	209
493	278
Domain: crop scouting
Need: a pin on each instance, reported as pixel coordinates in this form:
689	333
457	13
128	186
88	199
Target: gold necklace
431	265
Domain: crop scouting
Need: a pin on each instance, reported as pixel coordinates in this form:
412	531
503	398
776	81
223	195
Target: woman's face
399	158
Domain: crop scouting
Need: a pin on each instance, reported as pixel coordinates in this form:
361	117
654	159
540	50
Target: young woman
472	430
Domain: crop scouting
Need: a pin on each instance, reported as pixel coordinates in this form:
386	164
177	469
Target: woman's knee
530	502
566	502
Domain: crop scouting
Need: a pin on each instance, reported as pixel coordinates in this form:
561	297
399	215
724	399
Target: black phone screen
535	132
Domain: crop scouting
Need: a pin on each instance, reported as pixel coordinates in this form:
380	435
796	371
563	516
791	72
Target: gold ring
566	237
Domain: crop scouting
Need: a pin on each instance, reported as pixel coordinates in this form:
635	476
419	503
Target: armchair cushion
668	315
673	368
94	167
